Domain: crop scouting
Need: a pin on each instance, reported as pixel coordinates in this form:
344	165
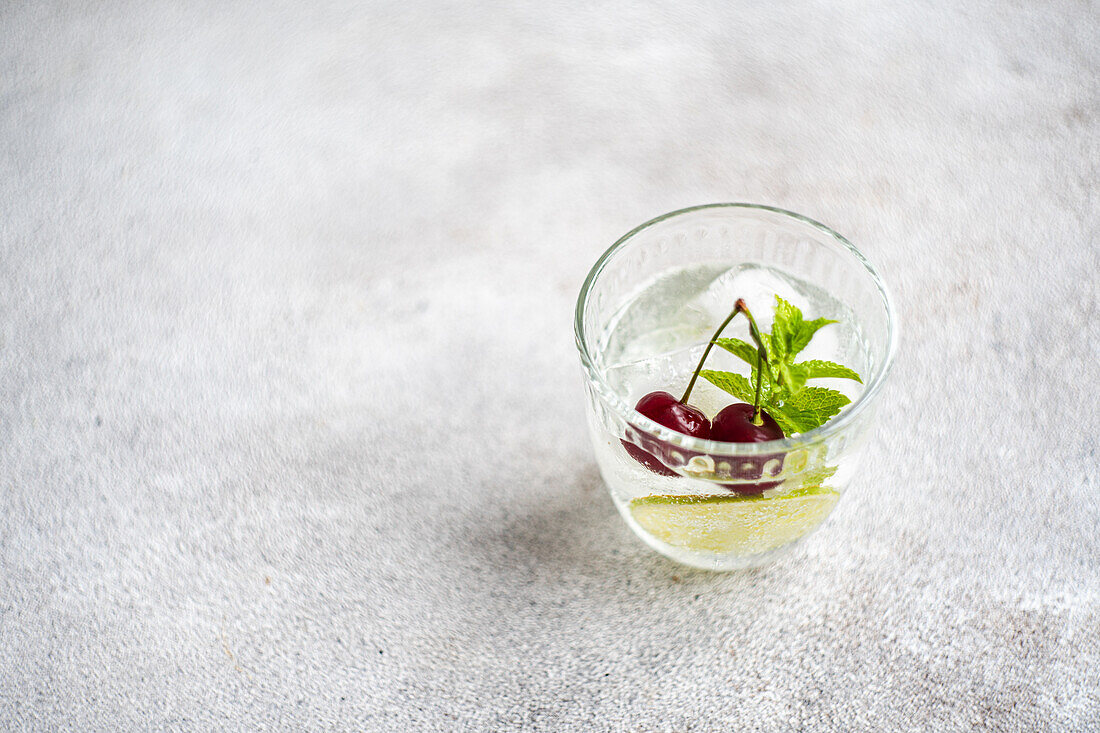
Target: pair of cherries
732	425
737	423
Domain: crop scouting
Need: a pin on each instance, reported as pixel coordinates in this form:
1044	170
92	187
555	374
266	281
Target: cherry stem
761	357
738	307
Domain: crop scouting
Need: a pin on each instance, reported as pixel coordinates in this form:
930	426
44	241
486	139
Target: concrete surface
291	430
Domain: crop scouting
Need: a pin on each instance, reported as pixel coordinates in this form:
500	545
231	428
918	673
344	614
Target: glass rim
802	440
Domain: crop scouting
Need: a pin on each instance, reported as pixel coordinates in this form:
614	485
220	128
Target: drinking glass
645	313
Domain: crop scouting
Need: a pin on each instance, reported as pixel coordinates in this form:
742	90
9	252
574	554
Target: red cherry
734	425
647	459
664	409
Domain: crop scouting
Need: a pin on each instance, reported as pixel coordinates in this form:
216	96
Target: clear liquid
655	341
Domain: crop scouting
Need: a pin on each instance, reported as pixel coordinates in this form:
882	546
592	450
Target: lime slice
725	523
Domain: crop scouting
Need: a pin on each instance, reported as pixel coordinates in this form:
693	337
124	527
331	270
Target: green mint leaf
806	332
792	378
812	407
786	322
790	331
788	427
769	390
749	354
816	368
783	391
735	384
741	349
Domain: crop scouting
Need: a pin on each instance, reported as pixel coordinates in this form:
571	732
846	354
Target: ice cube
757	285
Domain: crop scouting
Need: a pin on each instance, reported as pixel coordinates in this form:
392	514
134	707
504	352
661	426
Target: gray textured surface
291	429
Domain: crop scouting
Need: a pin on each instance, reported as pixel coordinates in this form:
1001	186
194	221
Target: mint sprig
781	380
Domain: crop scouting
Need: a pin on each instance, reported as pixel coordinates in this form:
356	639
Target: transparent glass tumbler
707	510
